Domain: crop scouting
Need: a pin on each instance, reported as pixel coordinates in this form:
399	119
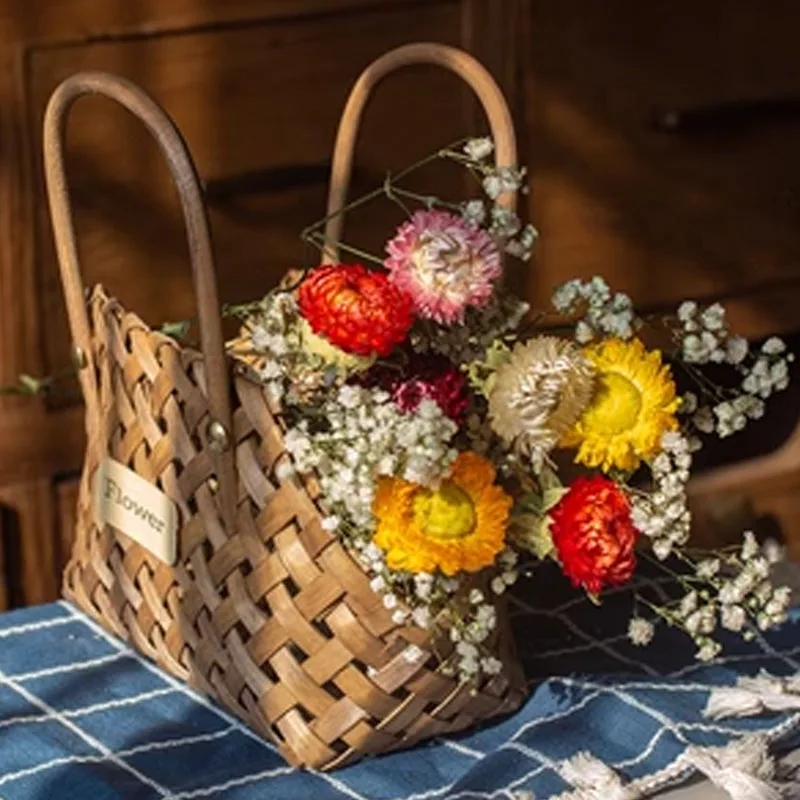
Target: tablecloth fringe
762	694
743	768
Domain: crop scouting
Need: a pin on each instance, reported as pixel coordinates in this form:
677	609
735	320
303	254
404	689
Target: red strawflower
426	377
594	535
356	309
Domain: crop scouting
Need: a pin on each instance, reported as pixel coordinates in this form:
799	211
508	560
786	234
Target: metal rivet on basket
219	439
79	357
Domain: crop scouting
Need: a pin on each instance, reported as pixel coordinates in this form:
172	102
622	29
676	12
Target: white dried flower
389	601
474	212
708	568
708	650
498	585
640	631
539	394
412	654
491	665
467	650
773	346
476	596
750	548
733	618
736	348
422	617
479	149
399	616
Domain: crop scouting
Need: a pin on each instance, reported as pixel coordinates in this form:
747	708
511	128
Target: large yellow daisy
459	526
633	405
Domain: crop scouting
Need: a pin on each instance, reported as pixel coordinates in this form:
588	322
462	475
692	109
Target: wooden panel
35	569
66	517
666	215
257	98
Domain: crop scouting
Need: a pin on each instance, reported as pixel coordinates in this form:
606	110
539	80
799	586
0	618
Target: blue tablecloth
82	716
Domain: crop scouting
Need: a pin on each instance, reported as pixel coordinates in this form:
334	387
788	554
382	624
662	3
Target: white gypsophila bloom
491	665
604	313
736	349
423	585
750	546
486	616
733	618
703	420
474	212
467	650
479	149
773	551
412	654
640	631
389	601
773	346
504	222
708	650
713	317
688	403
687	311
708	568
399	616
468	668
583	332
522	246
378	584
664	516
509	577
284	470
498	585
422	617
331	523
476	597
689	603
731	593
492	185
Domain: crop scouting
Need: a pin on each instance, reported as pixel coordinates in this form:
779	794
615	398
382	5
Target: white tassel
744	768
593	780
752	696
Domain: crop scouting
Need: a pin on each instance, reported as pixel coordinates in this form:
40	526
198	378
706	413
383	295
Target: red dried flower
427	377
356	309
594	535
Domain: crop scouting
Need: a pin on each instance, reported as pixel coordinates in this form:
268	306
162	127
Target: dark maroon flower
426	377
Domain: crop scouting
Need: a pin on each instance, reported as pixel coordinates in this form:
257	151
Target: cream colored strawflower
539	394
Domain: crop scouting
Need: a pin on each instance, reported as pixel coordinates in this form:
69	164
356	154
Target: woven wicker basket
262	609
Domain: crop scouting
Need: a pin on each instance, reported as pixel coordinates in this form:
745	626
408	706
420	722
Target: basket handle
466	67
174	149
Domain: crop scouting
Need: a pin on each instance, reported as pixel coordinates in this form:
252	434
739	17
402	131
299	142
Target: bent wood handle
466	67
176	153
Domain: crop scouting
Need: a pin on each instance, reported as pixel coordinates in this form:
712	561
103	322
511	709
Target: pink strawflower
444	264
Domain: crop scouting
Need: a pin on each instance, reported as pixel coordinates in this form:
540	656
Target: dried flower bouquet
434	413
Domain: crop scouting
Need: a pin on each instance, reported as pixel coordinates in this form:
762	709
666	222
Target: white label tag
138	509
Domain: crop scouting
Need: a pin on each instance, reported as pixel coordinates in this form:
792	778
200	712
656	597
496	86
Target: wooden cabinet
256	87
707	208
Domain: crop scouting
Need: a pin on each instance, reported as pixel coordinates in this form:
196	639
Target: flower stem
319	240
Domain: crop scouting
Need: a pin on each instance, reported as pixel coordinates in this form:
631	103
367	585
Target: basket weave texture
264	609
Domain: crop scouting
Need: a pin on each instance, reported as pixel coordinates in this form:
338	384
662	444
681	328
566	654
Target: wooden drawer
257	98
709	211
